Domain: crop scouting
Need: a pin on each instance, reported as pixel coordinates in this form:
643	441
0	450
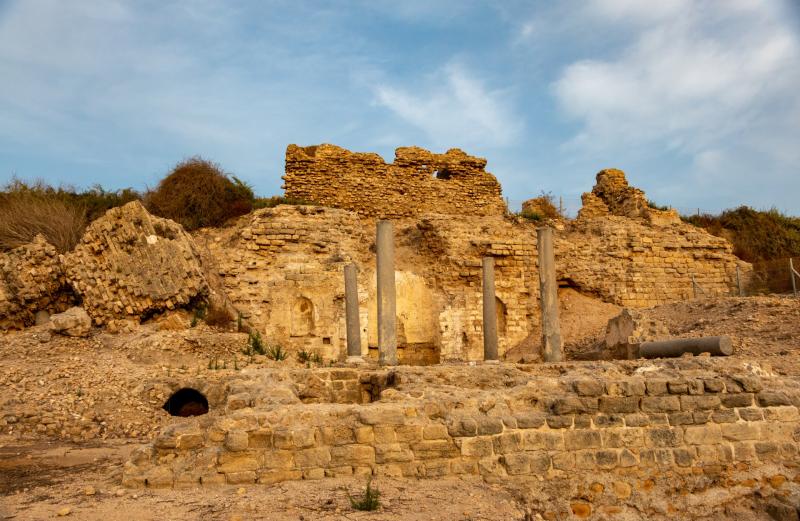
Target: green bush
198	193
277	353
275	200
369	501
756	235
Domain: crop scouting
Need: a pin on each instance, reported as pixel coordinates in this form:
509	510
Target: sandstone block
663	437
460	427
701	402
661	404
232	462
543	440
352	454
236	440
507	442
435	431
488	425
397	453
619	404
582	439
702	435
313	458
740	431
72	322
529	420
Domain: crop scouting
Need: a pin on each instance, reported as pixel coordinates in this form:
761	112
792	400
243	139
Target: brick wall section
619	432
631	263
417	182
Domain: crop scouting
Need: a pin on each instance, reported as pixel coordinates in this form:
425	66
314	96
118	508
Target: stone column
351	314
387	305
548	289
489	312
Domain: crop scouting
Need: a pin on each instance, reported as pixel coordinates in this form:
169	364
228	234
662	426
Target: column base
491	362
355	360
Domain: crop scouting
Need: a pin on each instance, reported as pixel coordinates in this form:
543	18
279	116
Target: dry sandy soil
72	409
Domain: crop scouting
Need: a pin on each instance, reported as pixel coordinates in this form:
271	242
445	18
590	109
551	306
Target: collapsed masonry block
132	264
31	280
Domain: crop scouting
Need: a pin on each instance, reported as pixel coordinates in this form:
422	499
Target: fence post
739	281
792	274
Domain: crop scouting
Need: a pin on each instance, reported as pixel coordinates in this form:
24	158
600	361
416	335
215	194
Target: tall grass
59	214
25	214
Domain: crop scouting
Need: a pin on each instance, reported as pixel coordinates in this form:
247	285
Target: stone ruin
281	268
128	266
608	438
417	182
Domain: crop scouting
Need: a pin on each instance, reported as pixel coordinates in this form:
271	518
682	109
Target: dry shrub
198	193
757	235
26	213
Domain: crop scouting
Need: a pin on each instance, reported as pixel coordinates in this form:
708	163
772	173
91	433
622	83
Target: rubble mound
130	264
612	195
31	279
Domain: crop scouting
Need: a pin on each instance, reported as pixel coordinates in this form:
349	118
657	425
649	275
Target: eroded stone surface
31	279
417	182
130	264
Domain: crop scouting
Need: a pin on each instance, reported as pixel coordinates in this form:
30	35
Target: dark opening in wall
186	402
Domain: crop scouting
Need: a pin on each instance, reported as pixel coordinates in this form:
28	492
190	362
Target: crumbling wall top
417	182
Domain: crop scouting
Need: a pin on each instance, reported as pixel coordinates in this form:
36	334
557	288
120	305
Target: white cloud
455	108
688	79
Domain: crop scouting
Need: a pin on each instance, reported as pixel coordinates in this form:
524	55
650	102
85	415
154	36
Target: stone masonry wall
283	269
417	182
631	263
669	441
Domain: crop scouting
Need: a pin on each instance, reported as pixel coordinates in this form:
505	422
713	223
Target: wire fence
776	276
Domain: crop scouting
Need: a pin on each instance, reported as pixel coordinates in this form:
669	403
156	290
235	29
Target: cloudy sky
697	100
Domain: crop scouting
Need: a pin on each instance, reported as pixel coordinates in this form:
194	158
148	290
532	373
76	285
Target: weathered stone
72	322
130	263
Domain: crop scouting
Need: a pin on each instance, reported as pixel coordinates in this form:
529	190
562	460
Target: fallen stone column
387	303
548	289
715	345
351	314
489	312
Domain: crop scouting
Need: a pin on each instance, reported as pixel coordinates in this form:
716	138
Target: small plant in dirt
255	345
530	216
369	501
308	358
277	353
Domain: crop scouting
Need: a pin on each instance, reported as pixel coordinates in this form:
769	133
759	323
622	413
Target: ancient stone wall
417	182
283	269
653	441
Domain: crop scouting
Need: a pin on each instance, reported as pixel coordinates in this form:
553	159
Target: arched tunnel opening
186	402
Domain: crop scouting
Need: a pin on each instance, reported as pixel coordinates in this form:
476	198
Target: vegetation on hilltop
59	214
756	235
198	193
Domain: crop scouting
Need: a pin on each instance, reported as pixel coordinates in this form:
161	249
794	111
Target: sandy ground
37	481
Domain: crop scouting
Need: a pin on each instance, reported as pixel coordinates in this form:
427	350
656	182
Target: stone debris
628	330
72	322
31	280
130	264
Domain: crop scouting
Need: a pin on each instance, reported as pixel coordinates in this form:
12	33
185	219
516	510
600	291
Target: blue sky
697	100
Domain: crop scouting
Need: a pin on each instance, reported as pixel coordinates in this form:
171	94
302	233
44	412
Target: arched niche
302	317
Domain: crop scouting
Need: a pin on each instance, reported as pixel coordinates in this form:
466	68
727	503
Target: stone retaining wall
690	434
